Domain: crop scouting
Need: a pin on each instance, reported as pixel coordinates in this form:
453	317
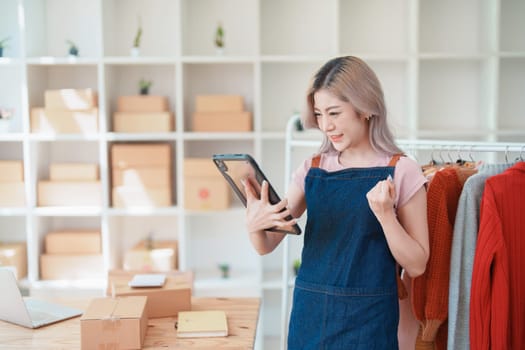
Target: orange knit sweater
430	290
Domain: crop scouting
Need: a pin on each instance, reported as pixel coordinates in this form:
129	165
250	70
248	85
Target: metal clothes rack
292	141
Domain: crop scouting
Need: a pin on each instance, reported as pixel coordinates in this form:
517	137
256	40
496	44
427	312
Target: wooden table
242	314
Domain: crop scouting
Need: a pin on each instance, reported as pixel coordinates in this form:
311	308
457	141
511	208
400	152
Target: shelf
143	211
68	211
6	212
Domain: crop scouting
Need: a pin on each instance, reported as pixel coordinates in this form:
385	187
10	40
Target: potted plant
3	44
73	49
144	86
135	49
219	38
225	270
296	266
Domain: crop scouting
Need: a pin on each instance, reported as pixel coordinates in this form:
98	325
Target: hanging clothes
462	255
497	304
430	290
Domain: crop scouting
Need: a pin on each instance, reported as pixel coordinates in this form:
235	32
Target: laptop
30	313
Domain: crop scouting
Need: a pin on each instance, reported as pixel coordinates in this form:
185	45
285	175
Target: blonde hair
351	80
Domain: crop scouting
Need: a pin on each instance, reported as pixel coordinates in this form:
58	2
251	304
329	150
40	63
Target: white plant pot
134	52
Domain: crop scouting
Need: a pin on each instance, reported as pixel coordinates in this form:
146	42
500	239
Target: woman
366	214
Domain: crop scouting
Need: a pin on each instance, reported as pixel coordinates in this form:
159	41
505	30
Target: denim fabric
345	293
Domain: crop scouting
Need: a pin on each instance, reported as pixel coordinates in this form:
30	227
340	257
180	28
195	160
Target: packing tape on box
110	324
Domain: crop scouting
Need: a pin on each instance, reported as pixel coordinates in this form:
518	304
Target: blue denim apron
345	294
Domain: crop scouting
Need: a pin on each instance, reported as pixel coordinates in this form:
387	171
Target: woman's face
339	121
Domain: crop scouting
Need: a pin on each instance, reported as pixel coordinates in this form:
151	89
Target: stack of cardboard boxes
143	113
121	321
72	254
221	113
141	175
12	193
69	111
71	184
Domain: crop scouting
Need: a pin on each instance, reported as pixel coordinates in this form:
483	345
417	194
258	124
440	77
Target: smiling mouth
336	138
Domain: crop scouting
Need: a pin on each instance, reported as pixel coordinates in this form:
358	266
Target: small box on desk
12	194
222	121
14	257
71	266
71	99
143	122
57	121
73	242
119	323
11	171
165	301
130	155
142	103
69	193
205	187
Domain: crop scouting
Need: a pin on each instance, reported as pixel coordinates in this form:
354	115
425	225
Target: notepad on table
194	324
147	280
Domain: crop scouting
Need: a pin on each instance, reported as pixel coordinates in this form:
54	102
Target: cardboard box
161	259
71	99
156	244
219	103
69	193
12	194
165	301
143	122
73	172
205	187
11	171
150	176
222	121
130	155
134	196
73	242
56	121
119	323
142	103
14	256
71	266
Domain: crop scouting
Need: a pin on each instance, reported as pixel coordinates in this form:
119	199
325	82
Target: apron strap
401	289
394	159
316	161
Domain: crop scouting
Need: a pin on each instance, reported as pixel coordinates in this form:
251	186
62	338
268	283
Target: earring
368	117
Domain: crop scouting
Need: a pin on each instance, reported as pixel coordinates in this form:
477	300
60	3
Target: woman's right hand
260	213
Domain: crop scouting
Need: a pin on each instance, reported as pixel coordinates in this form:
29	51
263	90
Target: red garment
497	301
430	290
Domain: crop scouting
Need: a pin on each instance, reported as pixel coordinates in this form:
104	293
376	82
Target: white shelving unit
449	70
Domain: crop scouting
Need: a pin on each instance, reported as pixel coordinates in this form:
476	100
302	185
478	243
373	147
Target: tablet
240	166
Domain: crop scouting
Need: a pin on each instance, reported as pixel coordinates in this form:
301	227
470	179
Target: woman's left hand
381	199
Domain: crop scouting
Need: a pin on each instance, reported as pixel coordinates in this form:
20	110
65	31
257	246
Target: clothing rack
307	139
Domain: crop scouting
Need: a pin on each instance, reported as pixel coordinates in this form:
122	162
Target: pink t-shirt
408	177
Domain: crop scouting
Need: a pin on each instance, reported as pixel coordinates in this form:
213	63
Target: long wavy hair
352	80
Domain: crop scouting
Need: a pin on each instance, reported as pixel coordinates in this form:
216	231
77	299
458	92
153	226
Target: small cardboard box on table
114	323
165	301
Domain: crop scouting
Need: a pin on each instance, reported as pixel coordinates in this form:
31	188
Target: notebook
194	324
30	313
